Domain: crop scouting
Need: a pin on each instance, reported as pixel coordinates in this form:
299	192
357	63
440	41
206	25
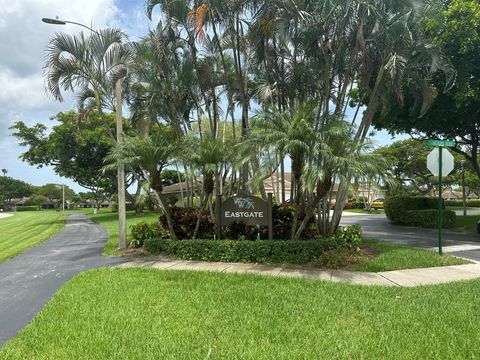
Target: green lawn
27	229
365	211
109	221
467	223
396	257
153	314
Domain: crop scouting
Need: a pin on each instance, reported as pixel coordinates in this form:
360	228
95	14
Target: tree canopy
76	148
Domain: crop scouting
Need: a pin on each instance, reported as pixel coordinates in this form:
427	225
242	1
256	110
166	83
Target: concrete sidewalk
404	278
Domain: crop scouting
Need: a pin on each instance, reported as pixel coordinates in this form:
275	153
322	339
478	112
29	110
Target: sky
23	38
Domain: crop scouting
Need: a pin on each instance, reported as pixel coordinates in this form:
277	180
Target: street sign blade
443	143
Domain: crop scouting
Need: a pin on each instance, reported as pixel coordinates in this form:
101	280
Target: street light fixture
120	169
51	21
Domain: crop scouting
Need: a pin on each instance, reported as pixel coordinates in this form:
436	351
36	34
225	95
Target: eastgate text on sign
244	214
250	210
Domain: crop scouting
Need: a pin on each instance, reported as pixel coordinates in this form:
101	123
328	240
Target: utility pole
122	234
63	197
463	189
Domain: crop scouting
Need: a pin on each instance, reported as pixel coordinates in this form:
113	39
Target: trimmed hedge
429	218
397	206
260	251
470	202
27	208
245	251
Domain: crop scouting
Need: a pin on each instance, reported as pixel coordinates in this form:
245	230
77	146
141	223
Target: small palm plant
149	155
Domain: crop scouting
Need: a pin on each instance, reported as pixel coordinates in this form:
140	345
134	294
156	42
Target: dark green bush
143	231
246	251
429	218
397	206
27	208
470	202
261	251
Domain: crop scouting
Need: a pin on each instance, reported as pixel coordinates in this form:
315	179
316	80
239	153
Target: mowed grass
397	257
365	211
27	229
153	314
109	220
467	223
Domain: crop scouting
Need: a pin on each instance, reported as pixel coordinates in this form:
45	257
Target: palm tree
4	171
292	134
91	64
151	154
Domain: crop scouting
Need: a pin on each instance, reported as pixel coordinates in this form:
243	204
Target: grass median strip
396	257
152	314
109	220
28	229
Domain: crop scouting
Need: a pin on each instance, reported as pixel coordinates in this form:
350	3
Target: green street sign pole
440	200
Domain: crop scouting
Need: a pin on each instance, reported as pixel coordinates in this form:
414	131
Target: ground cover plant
27	229
200	315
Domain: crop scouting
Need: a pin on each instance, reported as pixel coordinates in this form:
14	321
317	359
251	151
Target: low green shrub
349	236
470	202
261	251
27	208
143	231
397	206
246	251
428	218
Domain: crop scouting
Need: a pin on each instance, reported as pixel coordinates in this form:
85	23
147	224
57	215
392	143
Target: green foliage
75	148
246	251
54	192
455	29
349	236
142	231
408	164
470	202
428	218
397	206
11	189
170	177
261	251
26	208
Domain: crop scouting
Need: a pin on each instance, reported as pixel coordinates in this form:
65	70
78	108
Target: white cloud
23	38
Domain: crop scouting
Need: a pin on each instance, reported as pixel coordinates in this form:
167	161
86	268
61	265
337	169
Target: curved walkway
29	280
407	278
3	216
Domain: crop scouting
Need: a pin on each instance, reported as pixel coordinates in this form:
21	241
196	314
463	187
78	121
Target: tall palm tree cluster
229	91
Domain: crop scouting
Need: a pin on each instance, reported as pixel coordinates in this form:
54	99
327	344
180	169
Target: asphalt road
376	226
29	280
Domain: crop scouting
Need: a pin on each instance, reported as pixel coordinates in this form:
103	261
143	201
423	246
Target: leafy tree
5	172
409	166
170	177
455	28
12	189
75	148
54	192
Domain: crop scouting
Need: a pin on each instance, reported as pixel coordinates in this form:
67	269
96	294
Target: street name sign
433	163
444	143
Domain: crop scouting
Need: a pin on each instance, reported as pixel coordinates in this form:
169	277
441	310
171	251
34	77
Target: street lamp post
463	189
118	118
